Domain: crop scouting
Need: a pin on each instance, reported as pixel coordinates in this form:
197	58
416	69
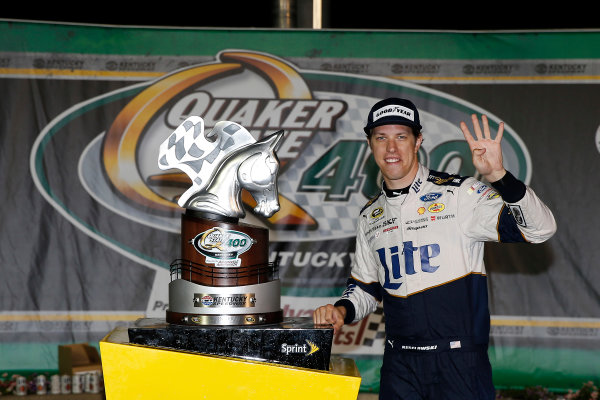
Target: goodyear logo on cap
399	111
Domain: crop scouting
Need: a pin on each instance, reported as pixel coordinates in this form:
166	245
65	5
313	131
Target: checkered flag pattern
199	155
375	331
336	219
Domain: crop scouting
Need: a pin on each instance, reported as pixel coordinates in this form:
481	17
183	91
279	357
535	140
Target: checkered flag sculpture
220	163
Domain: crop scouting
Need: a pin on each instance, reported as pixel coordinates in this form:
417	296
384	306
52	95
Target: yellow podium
141	372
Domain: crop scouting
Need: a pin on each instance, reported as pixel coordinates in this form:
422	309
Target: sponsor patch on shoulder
476	187
517	214
445	179
376	213
493	195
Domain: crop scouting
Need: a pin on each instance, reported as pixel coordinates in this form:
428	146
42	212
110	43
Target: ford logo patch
430	196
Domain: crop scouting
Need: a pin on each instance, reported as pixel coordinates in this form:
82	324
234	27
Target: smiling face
395	150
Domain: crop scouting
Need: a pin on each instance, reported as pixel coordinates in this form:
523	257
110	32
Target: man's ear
418	142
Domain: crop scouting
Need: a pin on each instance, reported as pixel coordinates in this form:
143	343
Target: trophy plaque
224	294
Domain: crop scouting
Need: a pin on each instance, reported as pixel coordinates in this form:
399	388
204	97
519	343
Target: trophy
223	276
224	294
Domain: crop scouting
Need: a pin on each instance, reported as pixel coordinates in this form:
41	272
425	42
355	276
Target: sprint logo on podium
307	348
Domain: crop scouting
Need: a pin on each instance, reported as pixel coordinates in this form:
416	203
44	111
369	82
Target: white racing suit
421	254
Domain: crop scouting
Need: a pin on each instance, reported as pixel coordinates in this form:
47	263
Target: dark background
337	14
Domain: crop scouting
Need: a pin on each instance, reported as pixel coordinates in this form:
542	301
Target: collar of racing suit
394	192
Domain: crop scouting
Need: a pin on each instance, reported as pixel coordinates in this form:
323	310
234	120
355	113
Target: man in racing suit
419	250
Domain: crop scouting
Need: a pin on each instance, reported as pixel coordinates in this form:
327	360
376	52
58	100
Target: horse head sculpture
220	164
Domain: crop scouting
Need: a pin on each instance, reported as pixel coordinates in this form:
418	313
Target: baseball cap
393	111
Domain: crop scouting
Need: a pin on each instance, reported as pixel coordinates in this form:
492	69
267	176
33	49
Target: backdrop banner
90	224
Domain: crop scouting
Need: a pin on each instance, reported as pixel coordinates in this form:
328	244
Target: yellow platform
140	372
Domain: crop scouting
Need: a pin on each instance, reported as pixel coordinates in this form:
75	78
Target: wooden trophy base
219	251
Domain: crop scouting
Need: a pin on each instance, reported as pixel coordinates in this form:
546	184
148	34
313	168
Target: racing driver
419	251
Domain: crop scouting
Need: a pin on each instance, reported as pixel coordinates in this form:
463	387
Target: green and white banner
90	224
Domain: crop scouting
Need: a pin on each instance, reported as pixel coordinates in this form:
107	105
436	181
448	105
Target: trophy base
294	341
133	371
224	319
193	304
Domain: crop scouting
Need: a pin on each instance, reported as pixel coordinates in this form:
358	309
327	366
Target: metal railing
223	276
